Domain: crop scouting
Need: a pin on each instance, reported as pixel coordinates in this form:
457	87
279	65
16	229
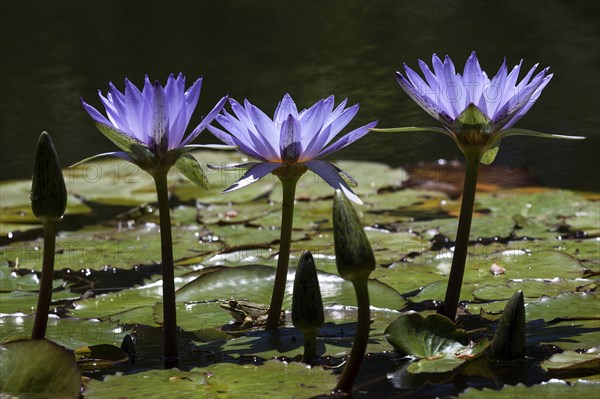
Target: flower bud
48	191
509	340
353	254
307	304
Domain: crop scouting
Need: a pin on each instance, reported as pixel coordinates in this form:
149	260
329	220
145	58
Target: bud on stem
48	191
307	304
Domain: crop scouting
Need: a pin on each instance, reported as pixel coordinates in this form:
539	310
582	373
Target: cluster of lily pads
149	127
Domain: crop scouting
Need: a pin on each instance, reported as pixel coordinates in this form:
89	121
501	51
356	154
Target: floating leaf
434	339
37	369
219	380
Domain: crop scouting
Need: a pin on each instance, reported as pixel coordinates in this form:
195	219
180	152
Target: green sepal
488	157
509	340
353	254
472	116
188	166
121	155
48	190
413	129
533	133
307	303
135	148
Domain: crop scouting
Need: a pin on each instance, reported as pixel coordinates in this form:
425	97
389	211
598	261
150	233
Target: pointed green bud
48	191
509	340
353	254
307	304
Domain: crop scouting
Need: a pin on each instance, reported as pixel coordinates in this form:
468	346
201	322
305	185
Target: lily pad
256	284
572	364
554	389
69	332
219	380
38	369
435	340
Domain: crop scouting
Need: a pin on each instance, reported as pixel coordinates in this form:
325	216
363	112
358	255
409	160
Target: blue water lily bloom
149	125
292	141
476	111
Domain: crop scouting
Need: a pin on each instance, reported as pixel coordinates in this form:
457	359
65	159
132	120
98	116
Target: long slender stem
285	242
461	246
362	336
168	272
45	293
310	344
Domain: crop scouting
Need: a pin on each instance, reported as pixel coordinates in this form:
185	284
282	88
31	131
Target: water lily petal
330	175
205	121
253	174
347	139
290	140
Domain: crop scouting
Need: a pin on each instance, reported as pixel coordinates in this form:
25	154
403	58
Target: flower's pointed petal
111	111
494	92
245	134
454	91
431	107
327	172
253	174
286	107
290	140
312	120
160	121
347	139
117	154
206	121
419	84
234	141
135	104
265	126
431	79
533	133
236	166
96	116
188	166
191	100
517	106
124	141
175	93
518	114
473	78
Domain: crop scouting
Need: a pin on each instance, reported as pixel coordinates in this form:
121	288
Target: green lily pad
572	364
219	380
69	332
567	305
255	283
38	369
554	389
435	340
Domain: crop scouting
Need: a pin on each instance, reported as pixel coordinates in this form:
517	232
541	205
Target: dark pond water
53	53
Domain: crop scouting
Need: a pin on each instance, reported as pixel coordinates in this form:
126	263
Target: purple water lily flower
476	111
149	125
291	139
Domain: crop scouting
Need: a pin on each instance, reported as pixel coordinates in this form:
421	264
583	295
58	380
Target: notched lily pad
435	340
